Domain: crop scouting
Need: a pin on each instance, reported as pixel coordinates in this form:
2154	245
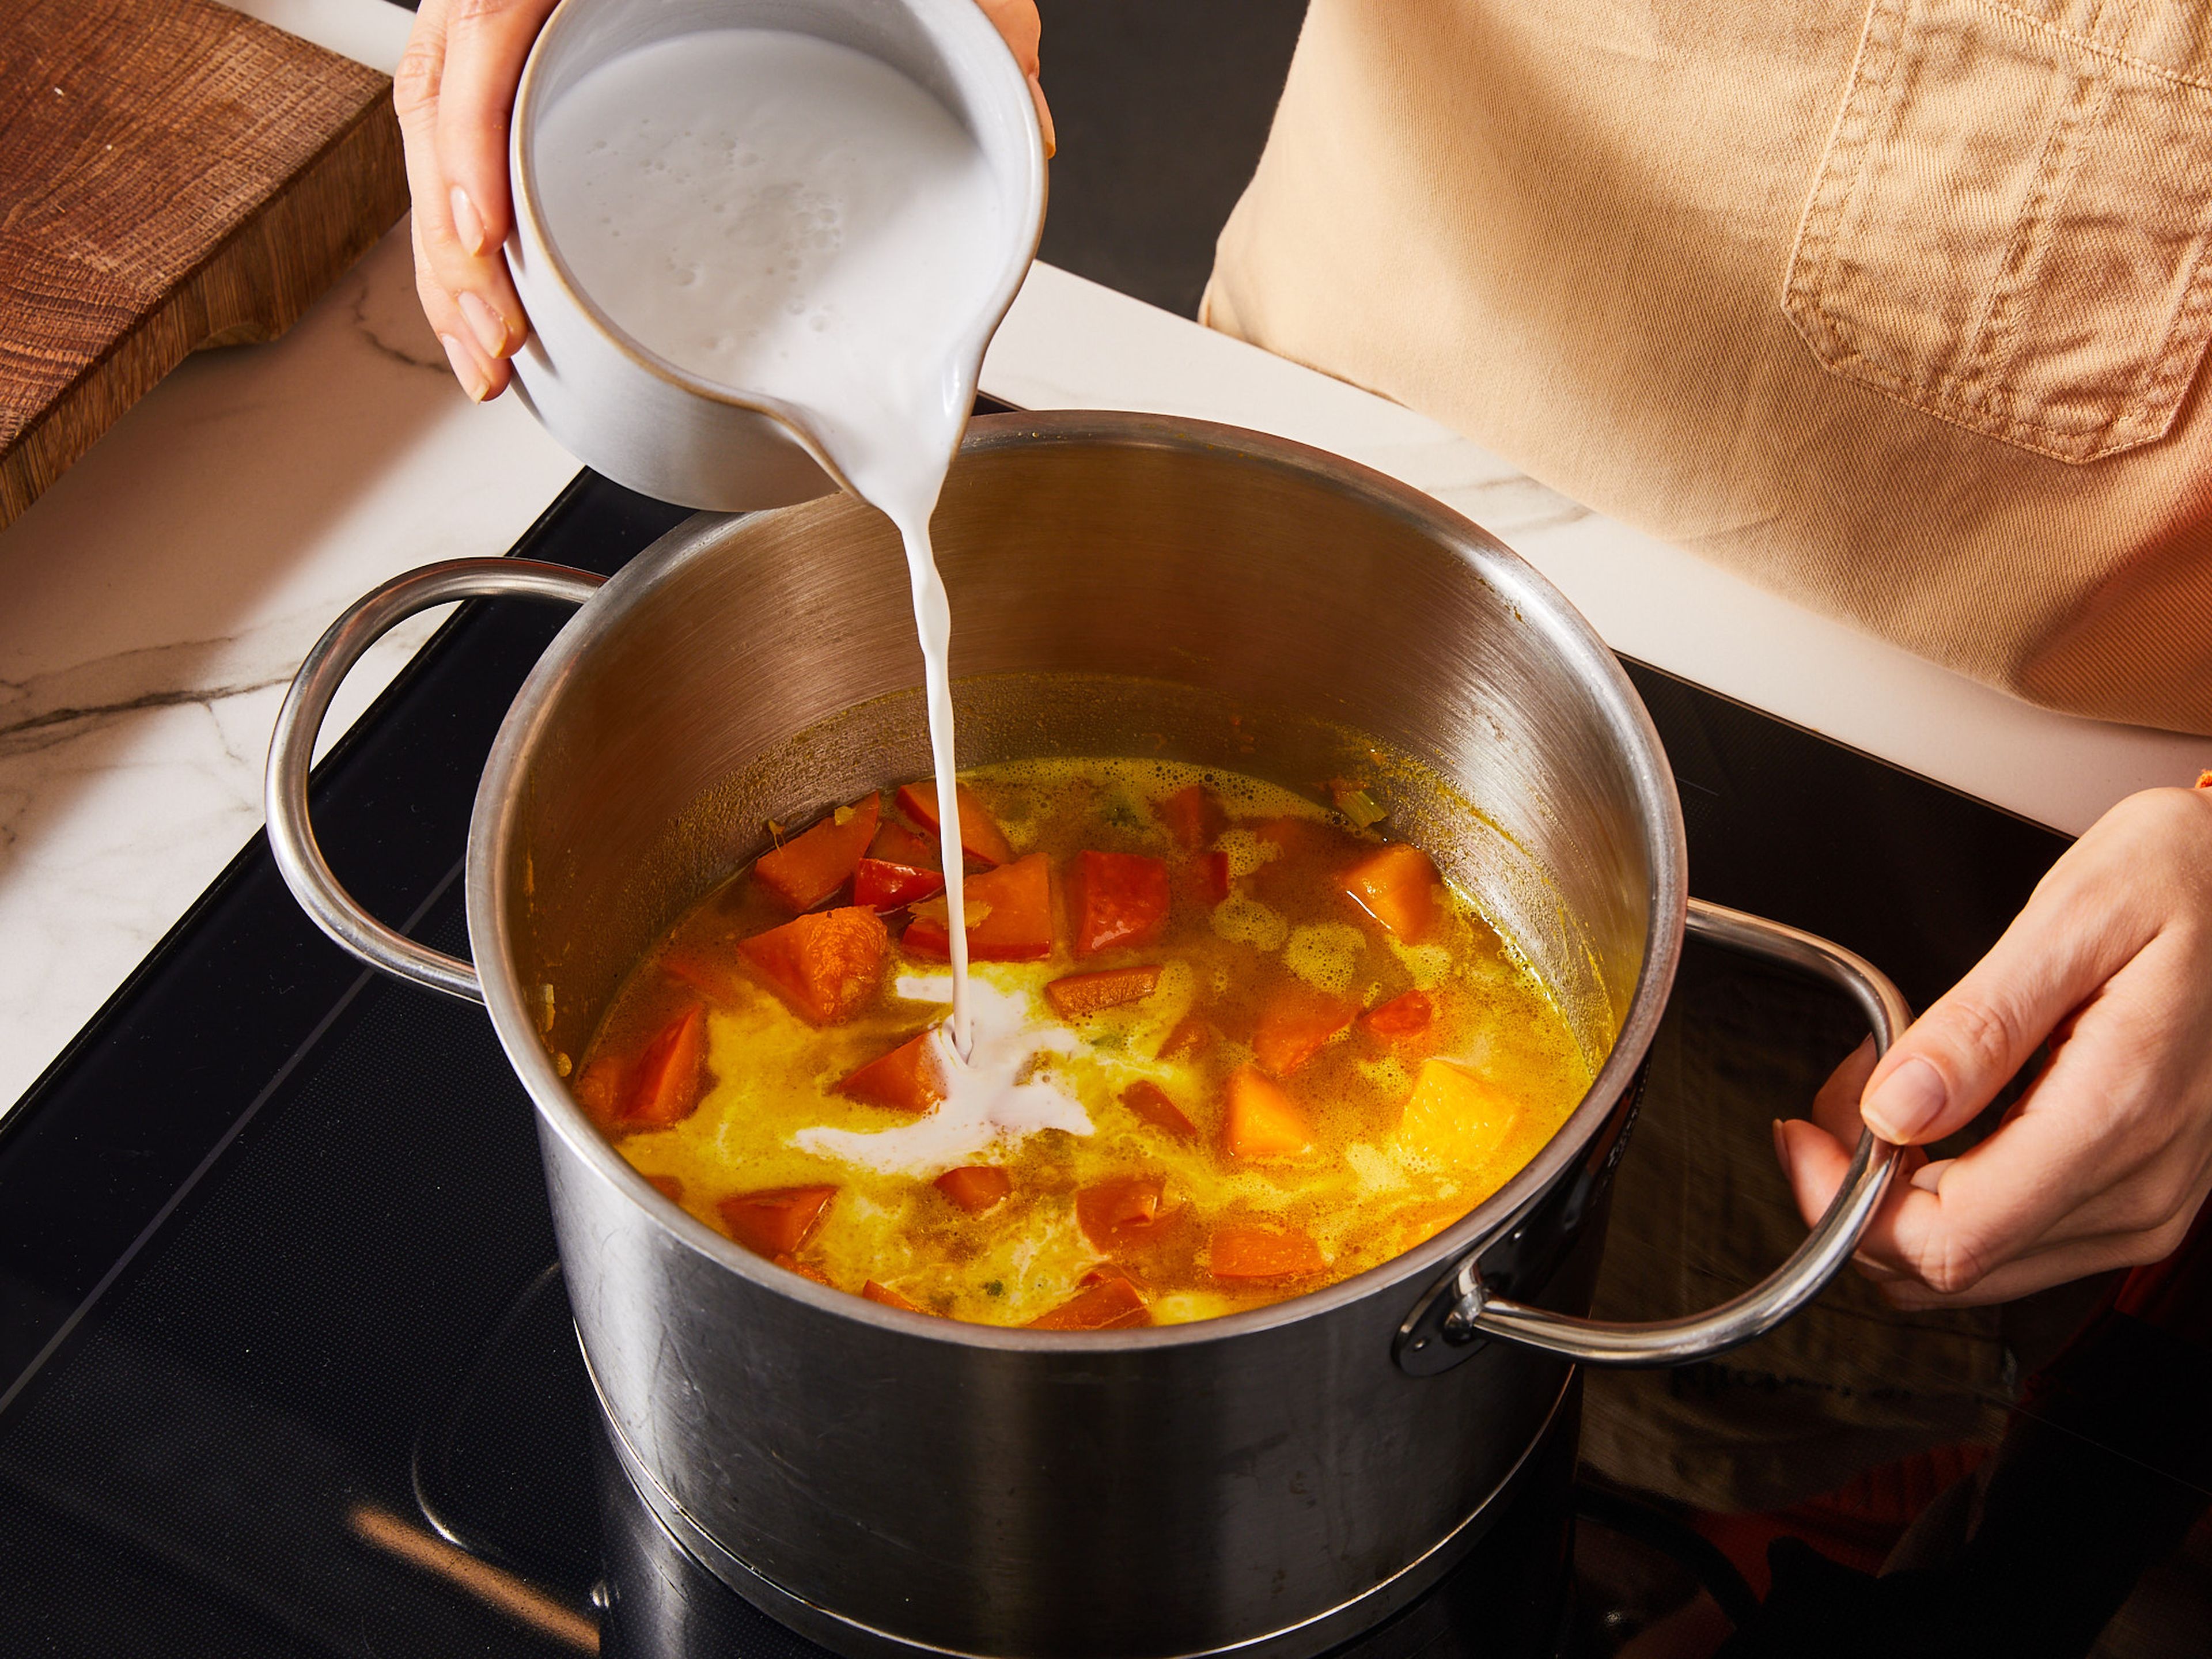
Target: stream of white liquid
793	219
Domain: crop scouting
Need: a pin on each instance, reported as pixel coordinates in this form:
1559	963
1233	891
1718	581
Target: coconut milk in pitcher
788	216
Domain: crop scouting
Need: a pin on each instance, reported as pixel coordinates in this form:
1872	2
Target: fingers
1017	21
2038	1270
480	376
486	42
459	50
1950	1063
2107	1156
1836	1108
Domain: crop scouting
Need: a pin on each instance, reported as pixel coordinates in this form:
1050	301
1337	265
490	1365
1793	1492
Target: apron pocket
2008	227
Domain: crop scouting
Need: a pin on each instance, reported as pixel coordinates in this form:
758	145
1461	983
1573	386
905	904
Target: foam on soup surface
1228	1049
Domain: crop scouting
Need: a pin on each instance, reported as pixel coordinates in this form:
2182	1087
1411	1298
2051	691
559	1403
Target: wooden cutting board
172	174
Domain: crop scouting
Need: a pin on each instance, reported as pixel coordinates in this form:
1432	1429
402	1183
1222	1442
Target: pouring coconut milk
788	217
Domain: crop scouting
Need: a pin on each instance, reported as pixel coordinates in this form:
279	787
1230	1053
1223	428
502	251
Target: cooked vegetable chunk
909	1078
889	1297
884	887
899	869
1454	1117
896	844
1408	1014
665	1083
1296	1024
1120	1214
1015	909
775	1222
1213	877
1397	886
1115	901
808	868
825	965
1239	1252
1193	1035
979	835
1193	816
975	1186
1112	1305
1259	1121
1156	1107
1079	994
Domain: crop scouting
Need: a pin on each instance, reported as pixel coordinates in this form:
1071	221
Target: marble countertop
161	594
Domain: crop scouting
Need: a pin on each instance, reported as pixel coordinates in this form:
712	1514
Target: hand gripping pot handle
1454	1317
292	750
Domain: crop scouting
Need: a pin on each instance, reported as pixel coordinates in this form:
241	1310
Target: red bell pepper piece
900	868
1117	900
1112	1305
896	844
1193	816
907	1079
1408	1014
1295	1024
1193	1035
1016	927
883	887
1118	1214
1212	870
975	1186
777	1220
1078	994
1397	886
1241	1252
825	964
665	1083
1156	1107
979	835
809	867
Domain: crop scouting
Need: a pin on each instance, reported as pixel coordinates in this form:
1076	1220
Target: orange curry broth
1303	1093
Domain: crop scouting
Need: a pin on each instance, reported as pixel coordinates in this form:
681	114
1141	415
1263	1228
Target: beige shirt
1897	309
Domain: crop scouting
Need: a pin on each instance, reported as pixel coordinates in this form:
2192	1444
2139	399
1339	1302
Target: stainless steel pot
890	1482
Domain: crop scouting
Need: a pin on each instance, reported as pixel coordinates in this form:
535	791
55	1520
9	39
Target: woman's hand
454	91
2104	1160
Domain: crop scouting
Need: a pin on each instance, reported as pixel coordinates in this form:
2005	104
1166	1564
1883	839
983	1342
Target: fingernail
464	368
1781	1147
487	325
1907	1102
468	224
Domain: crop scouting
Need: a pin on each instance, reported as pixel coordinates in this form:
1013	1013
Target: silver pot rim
498	803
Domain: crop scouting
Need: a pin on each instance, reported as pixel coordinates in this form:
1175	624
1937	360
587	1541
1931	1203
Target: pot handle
292	750
1459	1311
